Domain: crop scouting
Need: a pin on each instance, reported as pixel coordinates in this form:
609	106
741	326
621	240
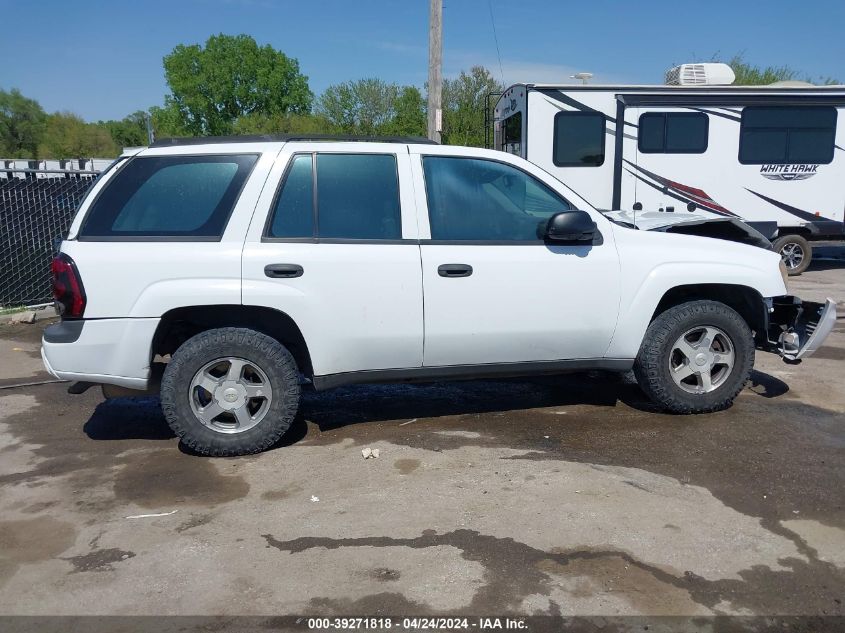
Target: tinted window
471	199
358	196
652	130
579	139
512	141
673	133
772	134
294	210
175	196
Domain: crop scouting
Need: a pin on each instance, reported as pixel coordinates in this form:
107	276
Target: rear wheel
695	357
230	391
795	251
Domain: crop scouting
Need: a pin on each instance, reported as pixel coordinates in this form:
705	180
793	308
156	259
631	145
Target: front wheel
795	252
230	391
695	357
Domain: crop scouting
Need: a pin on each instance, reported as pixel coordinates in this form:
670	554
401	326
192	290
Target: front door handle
454	270
283	271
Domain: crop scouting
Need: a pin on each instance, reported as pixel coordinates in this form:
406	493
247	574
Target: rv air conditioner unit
700	75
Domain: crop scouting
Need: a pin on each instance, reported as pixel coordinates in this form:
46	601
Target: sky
102	59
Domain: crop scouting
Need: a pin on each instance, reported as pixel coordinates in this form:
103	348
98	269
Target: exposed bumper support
798	328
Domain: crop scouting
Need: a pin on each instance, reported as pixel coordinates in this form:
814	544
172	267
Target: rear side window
169	196
579	139
294	211
774	134
356	197
673	133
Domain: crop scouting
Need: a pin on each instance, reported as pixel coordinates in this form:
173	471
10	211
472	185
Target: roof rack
258	138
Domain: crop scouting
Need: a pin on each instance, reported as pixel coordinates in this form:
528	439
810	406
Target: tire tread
662	333
180	418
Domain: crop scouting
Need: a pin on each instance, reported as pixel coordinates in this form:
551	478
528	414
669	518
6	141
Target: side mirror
571	226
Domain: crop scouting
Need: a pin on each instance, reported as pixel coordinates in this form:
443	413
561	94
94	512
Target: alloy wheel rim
230	395
792	255
702	359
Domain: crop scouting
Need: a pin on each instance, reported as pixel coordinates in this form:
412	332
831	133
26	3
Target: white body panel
147	278
110	351
518	305
800	197
359	305
654	263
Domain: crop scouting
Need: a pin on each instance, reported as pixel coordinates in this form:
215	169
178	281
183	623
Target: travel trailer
772	156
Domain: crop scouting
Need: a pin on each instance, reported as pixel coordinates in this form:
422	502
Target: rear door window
356	198
187	197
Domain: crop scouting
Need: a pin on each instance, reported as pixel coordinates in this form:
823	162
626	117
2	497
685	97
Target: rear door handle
283	271
454	270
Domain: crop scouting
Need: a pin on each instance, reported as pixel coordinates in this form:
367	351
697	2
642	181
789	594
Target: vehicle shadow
128	419
766	385
359	404
826	264
141	418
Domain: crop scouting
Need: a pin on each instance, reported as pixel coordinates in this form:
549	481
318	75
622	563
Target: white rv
773	156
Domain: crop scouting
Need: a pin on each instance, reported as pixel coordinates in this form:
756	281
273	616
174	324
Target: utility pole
435	69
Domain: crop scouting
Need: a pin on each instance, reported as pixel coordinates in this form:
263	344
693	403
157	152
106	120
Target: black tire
262	351
652	366
792	244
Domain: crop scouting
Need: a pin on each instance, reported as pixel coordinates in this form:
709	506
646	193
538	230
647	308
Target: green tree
259	123
464	100
749	75
167	120
229	78
21	125
409	117
67	136
131	131
364	106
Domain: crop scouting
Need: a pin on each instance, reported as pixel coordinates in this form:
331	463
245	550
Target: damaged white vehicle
224	273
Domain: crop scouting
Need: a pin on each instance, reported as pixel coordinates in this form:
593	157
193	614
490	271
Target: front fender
642	295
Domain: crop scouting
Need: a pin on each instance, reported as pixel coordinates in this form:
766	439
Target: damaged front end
798	328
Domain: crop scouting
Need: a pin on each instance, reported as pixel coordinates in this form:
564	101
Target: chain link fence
36	210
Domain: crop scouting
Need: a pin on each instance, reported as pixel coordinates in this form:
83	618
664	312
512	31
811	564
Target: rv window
773	134
512	137
673	133
579	139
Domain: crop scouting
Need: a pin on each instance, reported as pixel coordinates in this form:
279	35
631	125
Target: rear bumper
106	351
798	328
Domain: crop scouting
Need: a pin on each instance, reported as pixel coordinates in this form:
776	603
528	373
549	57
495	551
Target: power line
496	39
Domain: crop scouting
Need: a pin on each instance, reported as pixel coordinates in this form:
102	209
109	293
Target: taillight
67	287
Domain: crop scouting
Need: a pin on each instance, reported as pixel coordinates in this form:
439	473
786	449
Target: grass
6	310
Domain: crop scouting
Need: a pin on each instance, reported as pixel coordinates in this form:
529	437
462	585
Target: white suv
226	272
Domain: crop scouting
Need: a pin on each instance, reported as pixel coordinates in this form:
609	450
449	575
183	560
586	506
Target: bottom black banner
264	624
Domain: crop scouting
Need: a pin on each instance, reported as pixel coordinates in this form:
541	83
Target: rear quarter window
187	197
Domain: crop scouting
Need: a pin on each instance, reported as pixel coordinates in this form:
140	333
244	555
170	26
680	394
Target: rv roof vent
700	75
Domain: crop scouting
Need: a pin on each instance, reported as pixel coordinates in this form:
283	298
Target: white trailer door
672	163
